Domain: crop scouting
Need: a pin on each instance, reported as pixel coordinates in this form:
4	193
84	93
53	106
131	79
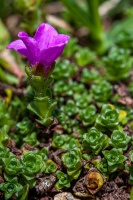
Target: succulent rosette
101	91
72	161
50	167
63	180
119	139
25	126
94	141
12	165
32	163
58	140
115	159
88	115
108	119
118	63
4	152
10	188
103	166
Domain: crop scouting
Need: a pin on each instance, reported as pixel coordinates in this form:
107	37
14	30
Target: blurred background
91	23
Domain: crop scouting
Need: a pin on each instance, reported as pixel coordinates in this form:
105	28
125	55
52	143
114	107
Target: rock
65	196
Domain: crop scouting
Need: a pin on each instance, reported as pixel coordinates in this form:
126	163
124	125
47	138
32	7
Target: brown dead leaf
94	181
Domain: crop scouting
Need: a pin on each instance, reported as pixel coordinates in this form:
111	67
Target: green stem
98	34
78	13
38	83
93	6
91	20
25	192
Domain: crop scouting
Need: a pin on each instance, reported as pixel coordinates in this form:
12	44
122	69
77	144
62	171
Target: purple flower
43	49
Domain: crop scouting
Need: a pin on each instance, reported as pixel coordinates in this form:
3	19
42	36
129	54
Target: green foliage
86	127
131	155
50	167
101	91
4	138
10	188
70	48
25	130
19	106
6	115
131	194
43	153
45	114
103	166
31	139
78	129
118	64
43	96
125	39
64	70
9	78
129	168
108	119
94	141
25	126
66	122
32	163
91	19
24	192
4	37
58	141
88	76
84	101
119	139
72	161
70	108
68	88
84	56
115	159
78	88
130	181
72	143
25	5
65	142
30	11
63	180
88	115
10	110
4	152
12	165
62	87
119	27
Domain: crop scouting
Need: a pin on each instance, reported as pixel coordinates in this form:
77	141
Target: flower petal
32	47
19	46
48	56
44	34
59	39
